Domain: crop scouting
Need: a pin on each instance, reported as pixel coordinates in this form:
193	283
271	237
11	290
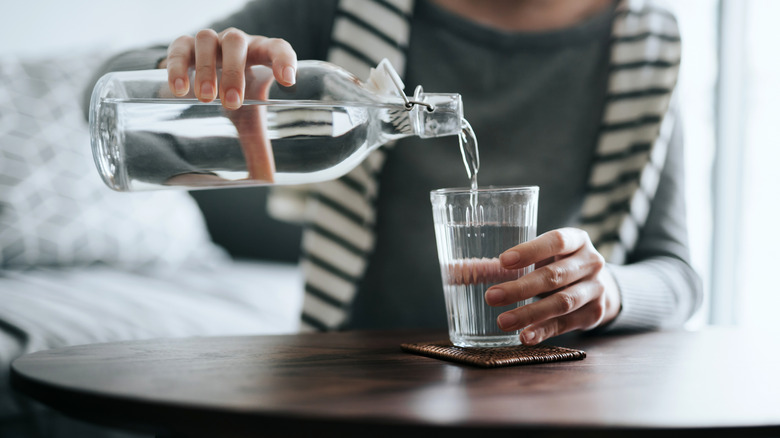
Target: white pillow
54	209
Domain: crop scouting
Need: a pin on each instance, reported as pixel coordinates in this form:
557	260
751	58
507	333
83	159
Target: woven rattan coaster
494	356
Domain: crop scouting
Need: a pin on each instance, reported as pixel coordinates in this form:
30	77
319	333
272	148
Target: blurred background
728	90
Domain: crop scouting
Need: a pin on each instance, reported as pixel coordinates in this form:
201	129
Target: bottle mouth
437	114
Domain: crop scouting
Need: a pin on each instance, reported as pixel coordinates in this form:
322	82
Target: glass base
504	340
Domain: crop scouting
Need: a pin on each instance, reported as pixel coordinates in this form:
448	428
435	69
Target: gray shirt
529	108
535	101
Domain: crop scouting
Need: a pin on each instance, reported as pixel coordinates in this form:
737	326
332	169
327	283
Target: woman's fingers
548	278
276	53
231	87
180	54
206	54
232	50
553	243
573	288
558	306
588	317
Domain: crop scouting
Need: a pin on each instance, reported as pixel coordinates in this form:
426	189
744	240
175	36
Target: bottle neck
444	116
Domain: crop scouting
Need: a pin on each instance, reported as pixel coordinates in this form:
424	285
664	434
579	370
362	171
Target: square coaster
491	357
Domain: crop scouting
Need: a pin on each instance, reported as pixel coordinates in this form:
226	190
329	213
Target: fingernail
289	75
178	87
206	91
507	321
509	258
528	337
495	295
232	99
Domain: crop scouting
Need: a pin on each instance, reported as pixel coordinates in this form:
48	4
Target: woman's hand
576	290
232	50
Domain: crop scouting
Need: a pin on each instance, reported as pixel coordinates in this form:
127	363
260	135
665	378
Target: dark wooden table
722	381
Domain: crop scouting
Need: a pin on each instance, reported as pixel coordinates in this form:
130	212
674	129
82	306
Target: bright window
758	297
731	108
696	93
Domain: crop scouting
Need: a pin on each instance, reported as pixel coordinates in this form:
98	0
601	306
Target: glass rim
487	189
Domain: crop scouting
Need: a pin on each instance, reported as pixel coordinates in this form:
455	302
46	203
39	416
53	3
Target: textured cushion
54	209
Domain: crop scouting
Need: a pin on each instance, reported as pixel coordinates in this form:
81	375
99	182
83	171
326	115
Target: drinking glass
473	227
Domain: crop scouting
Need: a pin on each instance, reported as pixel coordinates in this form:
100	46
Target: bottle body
144	138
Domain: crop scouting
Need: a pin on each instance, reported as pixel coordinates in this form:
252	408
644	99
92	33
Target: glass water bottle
319	129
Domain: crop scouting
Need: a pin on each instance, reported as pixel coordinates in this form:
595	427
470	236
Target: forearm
658	292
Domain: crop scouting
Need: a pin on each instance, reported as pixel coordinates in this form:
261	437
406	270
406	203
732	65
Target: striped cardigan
339	215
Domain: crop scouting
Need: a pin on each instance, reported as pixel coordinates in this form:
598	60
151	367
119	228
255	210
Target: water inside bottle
194	144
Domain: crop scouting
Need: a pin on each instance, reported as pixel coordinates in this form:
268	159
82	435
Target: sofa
80	263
